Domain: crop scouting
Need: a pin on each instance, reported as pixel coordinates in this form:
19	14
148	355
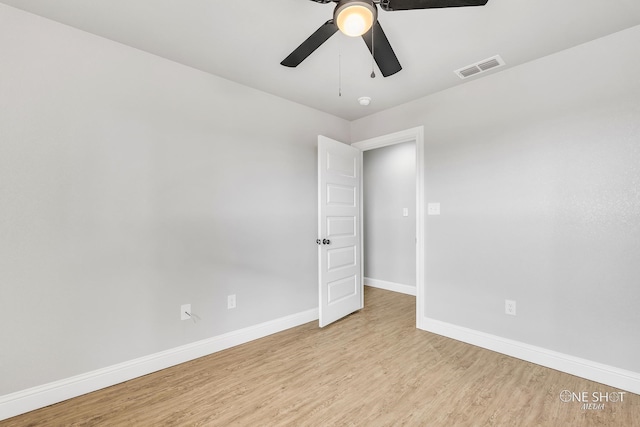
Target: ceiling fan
360	18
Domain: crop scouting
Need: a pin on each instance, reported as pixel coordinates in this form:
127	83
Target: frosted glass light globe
354	18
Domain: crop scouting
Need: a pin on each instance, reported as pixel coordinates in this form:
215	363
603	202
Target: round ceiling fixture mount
364	101
355	17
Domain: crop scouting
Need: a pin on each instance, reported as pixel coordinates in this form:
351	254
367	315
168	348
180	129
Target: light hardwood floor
373	368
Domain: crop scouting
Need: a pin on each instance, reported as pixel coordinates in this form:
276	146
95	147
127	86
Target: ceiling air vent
480	67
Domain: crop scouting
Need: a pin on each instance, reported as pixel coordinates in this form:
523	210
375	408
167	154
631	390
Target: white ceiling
245	40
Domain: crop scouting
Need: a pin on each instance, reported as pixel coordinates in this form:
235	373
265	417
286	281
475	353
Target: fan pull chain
373	49
339	74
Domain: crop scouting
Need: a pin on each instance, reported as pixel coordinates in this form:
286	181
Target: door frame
414	134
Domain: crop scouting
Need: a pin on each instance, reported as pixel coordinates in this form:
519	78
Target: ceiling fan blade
390	5
308	46
382	51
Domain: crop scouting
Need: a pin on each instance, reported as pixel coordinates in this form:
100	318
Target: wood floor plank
373	368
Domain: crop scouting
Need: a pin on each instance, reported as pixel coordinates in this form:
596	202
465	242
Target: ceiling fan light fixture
355	17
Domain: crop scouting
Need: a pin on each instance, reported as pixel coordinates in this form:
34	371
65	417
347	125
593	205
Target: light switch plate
405	211
433	209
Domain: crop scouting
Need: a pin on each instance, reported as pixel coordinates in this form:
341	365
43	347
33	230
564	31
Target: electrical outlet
510	307
185	312
231	301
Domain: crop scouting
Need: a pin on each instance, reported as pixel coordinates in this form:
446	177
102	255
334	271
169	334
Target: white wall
537	169
389	175
130	185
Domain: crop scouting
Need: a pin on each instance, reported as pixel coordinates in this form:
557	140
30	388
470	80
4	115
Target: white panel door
339	230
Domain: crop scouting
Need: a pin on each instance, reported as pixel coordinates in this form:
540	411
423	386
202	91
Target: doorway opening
415	135
388	217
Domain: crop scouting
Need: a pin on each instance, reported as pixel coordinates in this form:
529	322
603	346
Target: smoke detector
364	101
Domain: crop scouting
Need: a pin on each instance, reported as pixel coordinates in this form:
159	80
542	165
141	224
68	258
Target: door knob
326	241
318	241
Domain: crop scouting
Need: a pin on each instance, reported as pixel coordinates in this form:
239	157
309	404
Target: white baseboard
605	374
38	397
390	286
